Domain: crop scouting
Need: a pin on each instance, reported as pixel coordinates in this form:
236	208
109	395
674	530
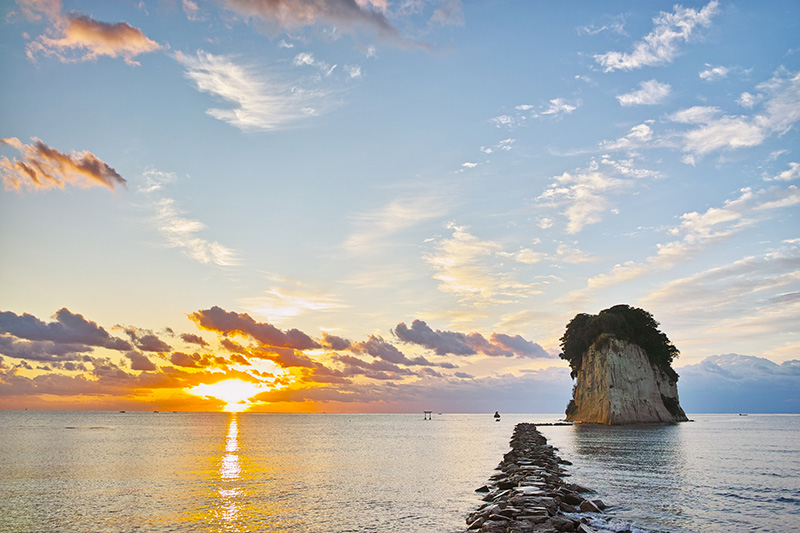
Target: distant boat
742	414
497	416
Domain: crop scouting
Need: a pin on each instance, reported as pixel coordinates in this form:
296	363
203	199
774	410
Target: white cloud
697	232
182	232
584	194
781	111
749	100
559	106
792	173
469	165
258	104
504	120
613	25
650	92
714	73
639	136
696	115
660	45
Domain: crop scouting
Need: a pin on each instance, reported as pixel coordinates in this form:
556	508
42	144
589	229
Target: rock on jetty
529	494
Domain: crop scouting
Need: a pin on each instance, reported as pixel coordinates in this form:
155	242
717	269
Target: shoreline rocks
529	494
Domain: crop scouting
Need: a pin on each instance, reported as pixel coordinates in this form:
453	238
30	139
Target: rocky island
623	367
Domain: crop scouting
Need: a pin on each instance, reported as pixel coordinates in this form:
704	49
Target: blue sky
339	167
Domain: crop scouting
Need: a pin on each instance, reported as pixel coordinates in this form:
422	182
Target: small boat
497	416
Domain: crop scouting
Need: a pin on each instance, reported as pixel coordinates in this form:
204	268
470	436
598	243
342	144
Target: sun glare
234	392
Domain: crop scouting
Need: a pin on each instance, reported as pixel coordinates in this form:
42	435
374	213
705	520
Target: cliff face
617	384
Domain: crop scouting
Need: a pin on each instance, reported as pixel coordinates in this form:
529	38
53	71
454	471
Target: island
622	364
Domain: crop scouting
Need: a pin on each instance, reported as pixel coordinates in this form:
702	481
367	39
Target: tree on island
624	322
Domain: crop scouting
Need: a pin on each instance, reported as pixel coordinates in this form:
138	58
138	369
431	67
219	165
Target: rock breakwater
529	494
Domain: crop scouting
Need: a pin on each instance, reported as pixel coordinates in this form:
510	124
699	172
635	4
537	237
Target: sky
392	206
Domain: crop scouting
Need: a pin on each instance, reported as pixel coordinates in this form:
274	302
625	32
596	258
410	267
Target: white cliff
617	384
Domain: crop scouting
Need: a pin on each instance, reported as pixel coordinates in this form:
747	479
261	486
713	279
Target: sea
70	471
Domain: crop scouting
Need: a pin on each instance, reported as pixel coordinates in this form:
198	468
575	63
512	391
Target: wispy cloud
660	45
77	37
650	92
584	194
178	230
469	269
781	110
289	299
697	232
42	167
375	227
258	103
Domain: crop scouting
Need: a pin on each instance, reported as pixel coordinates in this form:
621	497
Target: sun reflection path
230	470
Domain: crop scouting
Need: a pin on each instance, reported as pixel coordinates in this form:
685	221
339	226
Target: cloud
181	232
584	194
781	110
335	343
43	167
258	103
455	343
559	106
660	45
346	15
146	340
68	327
232	323
76	37
289	301
650	92
470	269
639	136
792	173
377	369
377	347
614	24
450	14
555	108
732	383
191	338
698	232
753	297
192	10
140	362
42	350
374	228
714	73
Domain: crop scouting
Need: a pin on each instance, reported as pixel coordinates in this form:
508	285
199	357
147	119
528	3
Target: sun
234	392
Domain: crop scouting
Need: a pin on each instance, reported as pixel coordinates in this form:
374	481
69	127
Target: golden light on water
235	392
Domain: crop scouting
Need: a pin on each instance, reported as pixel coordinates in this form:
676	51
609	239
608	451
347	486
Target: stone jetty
529	493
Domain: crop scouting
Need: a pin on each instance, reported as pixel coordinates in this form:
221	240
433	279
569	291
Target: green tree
625	323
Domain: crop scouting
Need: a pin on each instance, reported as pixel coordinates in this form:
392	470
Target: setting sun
233	391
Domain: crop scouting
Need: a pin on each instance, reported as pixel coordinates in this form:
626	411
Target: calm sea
107	472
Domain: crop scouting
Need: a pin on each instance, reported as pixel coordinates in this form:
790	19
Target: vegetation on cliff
624	322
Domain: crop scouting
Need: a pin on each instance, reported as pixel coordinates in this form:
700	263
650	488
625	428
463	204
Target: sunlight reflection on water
230	470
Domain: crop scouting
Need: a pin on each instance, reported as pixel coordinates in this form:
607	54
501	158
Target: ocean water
153	472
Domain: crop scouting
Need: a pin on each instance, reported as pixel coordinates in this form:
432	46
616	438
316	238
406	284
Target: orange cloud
43	167
75	37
